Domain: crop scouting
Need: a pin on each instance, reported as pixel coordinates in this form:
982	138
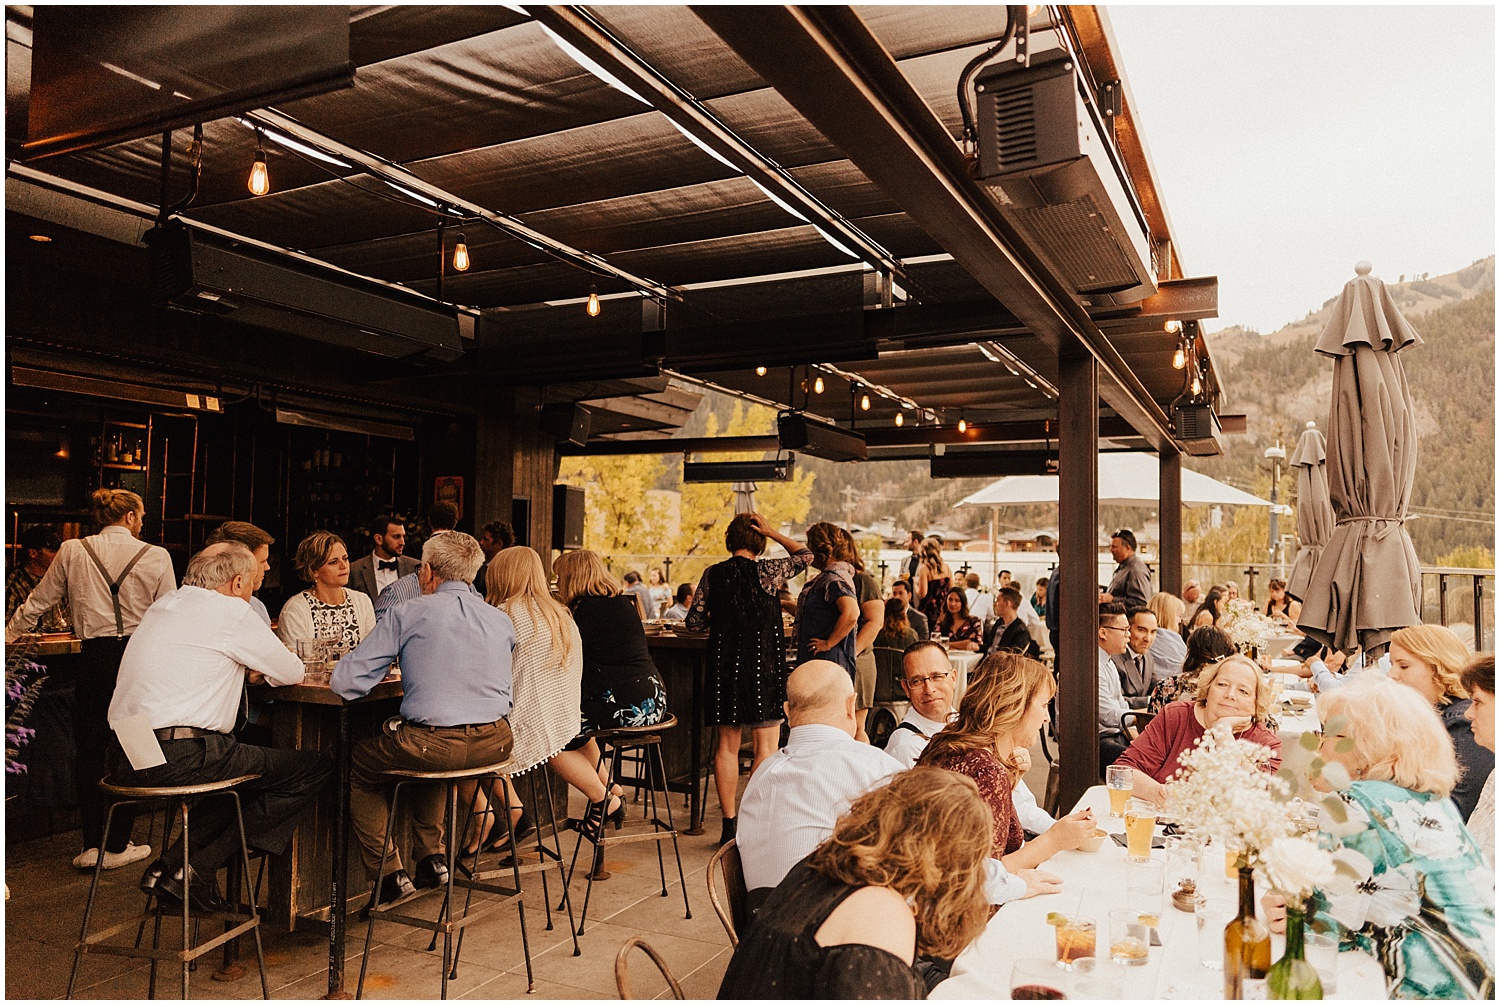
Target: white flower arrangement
1296	866
1221	792
1246	626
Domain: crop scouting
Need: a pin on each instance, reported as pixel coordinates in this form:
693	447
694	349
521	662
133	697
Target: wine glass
1036	979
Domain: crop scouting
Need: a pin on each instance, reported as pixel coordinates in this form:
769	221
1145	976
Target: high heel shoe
598	813
523	827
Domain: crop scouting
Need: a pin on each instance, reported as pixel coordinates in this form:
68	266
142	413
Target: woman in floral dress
326	610
1414	890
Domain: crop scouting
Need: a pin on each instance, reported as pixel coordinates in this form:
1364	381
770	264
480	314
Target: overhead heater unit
820	439
778	470
1198	429
1046	160
194	272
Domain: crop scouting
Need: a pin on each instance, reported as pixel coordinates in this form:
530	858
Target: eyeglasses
1115	628
930	679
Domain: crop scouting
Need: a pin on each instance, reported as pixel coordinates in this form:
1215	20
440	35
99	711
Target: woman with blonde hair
1231	697
1430	660
620	684
1414	890
109	579
1003	709
934	579
327	609
1168	650
546	673
902	875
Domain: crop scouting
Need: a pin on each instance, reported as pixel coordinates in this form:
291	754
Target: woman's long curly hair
1001	689
925	835
823	542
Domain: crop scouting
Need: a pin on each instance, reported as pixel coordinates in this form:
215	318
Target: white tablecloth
962	663
1096	881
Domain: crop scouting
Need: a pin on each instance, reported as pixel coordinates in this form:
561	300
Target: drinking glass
1036	979
1322	951
1129	938
1095	979
1076	939
1144	884
1118	778
1140	821
1182	862
1214	915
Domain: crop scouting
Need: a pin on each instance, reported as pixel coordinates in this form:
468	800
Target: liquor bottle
1247	947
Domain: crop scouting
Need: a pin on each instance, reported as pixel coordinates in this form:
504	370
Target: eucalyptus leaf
1309	741
1344	746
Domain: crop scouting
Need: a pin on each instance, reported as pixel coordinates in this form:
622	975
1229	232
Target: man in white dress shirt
927	679
1114	636
184	670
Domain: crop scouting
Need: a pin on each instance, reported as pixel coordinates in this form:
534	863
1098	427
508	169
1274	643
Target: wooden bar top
676	642
50	645
322	694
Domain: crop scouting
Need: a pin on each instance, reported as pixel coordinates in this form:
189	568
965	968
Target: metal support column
1078	594
1169	519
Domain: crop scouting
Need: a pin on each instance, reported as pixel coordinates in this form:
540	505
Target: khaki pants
413	747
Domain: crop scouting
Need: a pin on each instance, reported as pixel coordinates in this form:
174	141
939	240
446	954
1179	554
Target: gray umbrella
744	497
1315	517
1367	582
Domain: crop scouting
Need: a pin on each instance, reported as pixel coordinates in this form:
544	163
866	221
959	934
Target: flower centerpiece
1222	794
1247	627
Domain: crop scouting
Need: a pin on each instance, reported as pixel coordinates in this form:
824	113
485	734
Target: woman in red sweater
1231	695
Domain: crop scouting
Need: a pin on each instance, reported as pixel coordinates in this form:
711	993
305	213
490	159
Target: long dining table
1094	885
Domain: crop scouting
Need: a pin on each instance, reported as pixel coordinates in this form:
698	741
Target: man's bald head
820	692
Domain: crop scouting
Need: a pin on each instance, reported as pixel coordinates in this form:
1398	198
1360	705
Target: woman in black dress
621	686
746	657
902	875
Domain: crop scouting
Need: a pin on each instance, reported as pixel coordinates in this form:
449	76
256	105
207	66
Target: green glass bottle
1292	977
1247	946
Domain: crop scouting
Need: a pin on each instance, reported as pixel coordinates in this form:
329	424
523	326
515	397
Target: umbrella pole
994	545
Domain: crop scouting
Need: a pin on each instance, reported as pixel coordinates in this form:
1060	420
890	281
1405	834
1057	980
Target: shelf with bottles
123	446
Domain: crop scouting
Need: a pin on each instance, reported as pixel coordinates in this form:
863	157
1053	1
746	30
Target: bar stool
619	740
186	797
446	923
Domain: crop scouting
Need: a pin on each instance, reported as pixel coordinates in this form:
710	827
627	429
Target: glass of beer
1140	821
1119	780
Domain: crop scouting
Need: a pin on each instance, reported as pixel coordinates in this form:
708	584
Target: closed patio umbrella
1315	517
1367	582
744	497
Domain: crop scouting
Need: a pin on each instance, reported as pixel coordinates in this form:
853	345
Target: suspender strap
114	584
907	725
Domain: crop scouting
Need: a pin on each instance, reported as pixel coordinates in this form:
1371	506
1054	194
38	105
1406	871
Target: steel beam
833	71
1077	592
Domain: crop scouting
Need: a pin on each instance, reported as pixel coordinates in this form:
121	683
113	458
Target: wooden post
1169	519
494	453
1078	594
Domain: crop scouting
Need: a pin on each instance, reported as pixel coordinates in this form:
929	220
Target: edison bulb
1178	359
900	419
1197	385
818	386
963	427
461	255
260	179
864	402
760	371
593	307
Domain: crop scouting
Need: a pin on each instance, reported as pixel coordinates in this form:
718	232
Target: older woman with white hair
1413	890
1231	697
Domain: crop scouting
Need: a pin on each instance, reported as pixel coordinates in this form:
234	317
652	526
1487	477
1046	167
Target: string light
900	419
760	371
593	307
963	427
1179	358
260	179
818	385
460	255
864	402
1172	326
1197	385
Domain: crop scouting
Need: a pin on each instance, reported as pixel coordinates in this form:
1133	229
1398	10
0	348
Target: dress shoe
432	871
152	877
393	887
203	894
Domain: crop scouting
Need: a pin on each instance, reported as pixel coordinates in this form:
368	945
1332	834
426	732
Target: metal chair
1131	723
185	797
617	741
622	968
890	701
446	923
725	865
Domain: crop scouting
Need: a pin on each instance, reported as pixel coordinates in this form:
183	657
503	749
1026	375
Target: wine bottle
1247	947
1292	977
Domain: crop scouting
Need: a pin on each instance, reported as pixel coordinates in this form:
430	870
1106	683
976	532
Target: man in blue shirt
442	518
455	653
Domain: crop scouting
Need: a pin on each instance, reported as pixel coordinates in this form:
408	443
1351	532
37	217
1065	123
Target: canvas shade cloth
1367	582
1125	479
744	497
1315	517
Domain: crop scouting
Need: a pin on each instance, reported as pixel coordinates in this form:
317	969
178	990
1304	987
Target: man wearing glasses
1114	638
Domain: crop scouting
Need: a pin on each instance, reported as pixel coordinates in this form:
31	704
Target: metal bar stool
547	858
618	740
186	797
446	923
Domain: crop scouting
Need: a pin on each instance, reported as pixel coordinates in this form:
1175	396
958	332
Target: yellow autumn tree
621	517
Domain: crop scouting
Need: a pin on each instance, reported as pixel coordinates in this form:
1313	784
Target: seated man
1010	634
442	518
1135	665
185	670
455	653
901	590
1114	633
927	678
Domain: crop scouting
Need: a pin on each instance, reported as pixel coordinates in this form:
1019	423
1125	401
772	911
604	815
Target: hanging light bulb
760	371
1179	359
593	307
818	385
1172	326
460	255
260	180
1197	385
963	427
864	403
900	419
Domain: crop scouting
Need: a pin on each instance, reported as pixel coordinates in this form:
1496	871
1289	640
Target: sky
1290	142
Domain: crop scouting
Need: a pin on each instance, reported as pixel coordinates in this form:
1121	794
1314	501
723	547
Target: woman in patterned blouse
964	631
327	610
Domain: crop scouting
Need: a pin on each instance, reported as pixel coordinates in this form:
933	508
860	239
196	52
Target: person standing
745	660
386	563
934	578
494	538
109	580
442	518
661	593
827	607
913	545
871	618
1131	584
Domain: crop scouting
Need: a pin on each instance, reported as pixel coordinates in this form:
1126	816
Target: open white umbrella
1367	582
1125	479
1315	517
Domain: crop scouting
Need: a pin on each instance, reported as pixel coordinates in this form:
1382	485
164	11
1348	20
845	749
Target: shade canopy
1367	582
1125	479
1315	519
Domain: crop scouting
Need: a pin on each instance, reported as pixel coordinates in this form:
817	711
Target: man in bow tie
386	563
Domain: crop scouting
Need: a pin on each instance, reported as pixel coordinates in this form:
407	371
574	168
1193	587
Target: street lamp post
1275	455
